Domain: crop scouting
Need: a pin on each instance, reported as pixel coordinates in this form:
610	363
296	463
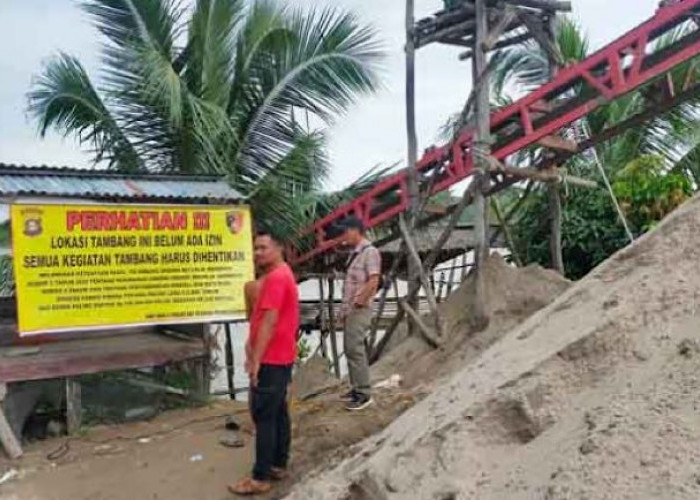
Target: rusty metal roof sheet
19	180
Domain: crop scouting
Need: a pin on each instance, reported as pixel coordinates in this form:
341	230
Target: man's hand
252	368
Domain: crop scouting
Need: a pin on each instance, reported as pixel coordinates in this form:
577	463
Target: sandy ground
177	456
593	397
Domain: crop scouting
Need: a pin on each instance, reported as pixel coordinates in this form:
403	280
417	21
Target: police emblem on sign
32	222
234	222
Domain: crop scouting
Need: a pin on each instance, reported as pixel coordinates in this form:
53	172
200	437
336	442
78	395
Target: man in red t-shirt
272	349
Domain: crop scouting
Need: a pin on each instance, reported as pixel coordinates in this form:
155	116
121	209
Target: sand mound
594	396
512	296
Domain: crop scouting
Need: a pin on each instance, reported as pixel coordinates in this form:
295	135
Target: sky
372	133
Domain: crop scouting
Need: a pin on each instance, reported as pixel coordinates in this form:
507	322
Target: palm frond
211	50
130	24
322	65
64	99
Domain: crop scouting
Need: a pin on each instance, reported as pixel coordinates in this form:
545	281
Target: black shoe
349	396
360	402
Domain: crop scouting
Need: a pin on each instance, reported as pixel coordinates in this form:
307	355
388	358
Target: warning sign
91	266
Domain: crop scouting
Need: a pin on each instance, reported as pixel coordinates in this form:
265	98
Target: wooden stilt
441	287
322	323
451	279
547	38
74	406
465	270
506	231
9	441
430	261
332	326
230	367
412	139
429	337
481	151
391	280
413	254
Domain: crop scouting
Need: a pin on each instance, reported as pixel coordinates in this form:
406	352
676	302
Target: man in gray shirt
361	283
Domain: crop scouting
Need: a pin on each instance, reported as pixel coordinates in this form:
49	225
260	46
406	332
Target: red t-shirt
278	293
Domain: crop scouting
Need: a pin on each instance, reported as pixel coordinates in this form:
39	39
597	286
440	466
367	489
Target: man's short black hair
270	234
354	223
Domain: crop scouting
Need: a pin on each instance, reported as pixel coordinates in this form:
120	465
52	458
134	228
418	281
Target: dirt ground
177	456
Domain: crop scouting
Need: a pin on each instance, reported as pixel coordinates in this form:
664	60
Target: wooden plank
88	355
481	151
230	362
74	406
9	441
549	5
418	321
413	253
332	326
558	143
506	18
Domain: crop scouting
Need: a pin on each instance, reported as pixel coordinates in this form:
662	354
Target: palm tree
670	136
662	151
212	90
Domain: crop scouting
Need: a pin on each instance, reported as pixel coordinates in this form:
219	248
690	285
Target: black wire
62	450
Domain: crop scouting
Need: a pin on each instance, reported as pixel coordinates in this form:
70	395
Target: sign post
83	267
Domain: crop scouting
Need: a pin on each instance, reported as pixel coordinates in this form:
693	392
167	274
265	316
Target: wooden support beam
457	42
549	176
555	211
390	279
422	327
322	320
9	441
467	198
457	31
230	362
549	5
501	44
559	143
514	210
332	326
481	151
506	230
535	26
413	254
74	406
506	18
412	137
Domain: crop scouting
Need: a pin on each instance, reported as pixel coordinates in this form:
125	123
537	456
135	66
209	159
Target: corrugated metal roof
19	180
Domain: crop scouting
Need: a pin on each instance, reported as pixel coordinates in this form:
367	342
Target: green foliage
647	194
653	166
303	349
213	90
591	229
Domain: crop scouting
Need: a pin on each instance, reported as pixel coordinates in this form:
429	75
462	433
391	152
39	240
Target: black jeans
268	404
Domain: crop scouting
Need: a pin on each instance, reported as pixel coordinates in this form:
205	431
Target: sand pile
595	396
512	296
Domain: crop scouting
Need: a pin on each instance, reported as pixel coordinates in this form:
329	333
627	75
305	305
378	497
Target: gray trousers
357	324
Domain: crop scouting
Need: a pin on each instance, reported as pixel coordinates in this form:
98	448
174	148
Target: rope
586	132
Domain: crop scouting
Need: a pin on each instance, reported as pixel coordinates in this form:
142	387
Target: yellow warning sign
96	266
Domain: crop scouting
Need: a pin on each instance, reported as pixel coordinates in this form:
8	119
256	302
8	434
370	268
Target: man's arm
368	291
373	268
265	334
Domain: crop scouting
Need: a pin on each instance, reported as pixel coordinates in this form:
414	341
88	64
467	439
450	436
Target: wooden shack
72	354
